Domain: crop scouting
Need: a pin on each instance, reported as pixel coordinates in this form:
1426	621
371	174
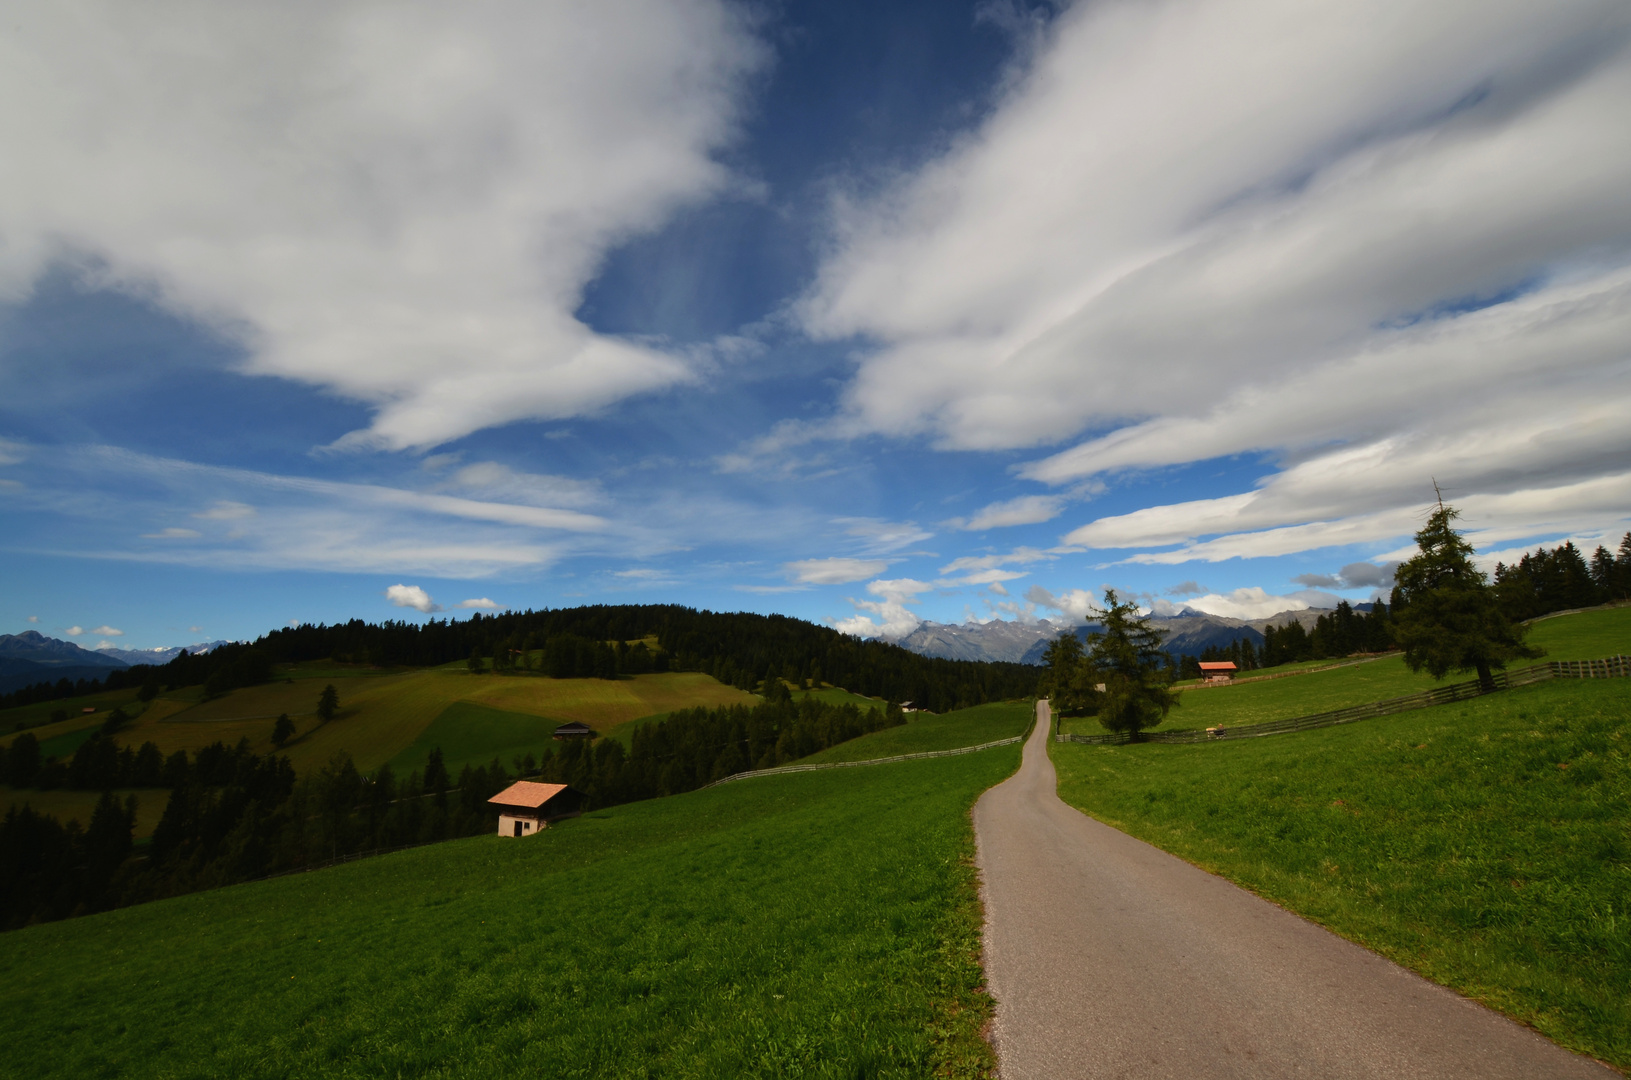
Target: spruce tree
328	704
1126	661
1445	615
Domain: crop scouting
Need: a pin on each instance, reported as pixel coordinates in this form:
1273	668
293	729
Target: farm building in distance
525	807
574	730
1216	672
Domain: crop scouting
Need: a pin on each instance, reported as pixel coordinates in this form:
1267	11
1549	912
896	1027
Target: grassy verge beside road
1486	844
928	731
823	924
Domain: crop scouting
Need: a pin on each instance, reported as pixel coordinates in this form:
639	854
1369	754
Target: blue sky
866	313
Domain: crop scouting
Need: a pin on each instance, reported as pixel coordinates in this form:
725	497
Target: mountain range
31	657
1187	633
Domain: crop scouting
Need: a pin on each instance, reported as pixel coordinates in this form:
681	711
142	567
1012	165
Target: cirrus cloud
836	571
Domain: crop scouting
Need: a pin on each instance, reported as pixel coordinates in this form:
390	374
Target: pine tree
1446	617
328	704
1126	660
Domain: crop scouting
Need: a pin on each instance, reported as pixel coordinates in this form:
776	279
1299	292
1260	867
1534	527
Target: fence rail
778	771
1613	667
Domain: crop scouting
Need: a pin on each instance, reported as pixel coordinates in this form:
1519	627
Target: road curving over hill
1110	958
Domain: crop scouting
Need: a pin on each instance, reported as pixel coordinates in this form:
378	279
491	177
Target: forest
740	649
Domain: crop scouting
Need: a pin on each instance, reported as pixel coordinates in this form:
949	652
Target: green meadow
821	925
930	731
1588	635
1485	844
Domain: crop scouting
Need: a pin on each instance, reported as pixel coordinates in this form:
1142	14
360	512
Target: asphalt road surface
1110	958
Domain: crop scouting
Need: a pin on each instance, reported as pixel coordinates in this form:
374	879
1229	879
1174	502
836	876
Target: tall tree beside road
1126	667
1064	682
1446	617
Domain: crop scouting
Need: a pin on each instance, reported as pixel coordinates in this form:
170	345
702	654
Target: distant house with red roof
526	807
1214	671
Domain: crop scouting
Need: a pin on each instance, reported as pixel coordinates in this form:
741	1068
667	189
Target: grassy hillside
382	715
823	924
1586	636
927	731
471	734
1486	844
1589	635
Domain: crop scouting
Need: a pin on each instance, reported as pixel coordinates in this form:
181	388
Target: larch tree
1445	615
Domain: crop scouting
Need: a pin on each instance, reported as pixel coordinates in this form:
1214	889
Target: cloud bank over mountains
1373	243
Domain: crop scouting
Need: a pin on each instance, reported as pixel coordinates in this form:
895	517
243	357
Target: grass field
1588	635
1486	844
818	925
927	731
471	734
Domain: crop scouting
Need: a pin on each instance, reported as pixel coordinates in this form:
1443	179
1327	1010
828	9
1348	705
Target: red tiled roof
526	793
1215	666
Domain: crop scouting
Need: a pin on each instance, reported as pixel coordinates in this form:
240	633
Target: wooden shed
1218	671
526	807
574	730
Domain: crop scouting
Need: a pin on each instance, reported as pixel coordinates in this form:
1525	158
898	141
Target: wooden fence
1614	667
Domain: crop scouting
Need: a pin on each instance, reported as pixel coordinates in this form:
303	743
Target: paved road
1110	958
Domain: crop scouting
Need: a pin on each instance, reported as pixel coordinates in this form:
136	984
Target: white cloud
1585	508
107	631
398	202
833	571
411	596
226	510
492	480
879	537
1025	510
1360	575
33	618
1076	604
74	631
1340	237
1019	556
12	452
483	604
172	534
894	620
200	629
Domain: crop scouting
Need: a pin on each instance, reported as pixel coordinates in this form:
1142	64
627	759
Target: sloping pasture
820	925
1486	844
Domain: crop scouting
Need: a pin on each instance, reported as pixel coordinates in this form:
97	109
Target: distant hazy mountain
995	640
159	656
31	657
35	647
